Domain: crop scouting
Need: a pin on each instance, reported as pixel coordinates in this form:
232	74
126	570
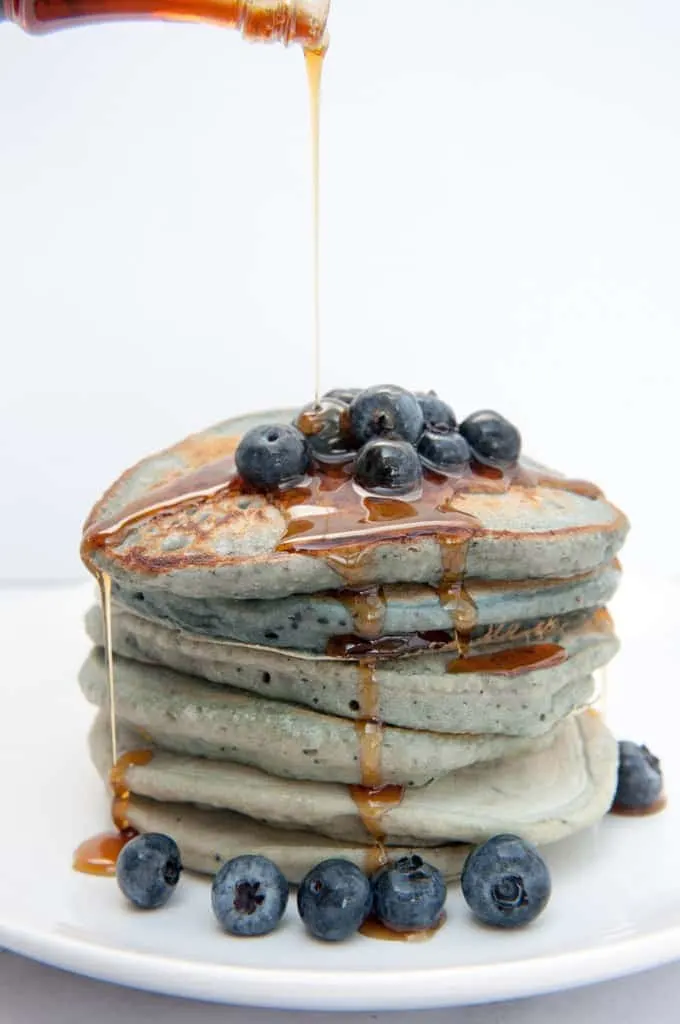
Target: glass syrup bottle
286	21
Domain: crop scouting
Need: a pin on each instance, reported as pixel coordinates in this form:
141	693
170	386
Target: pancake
544	794
209	838
185	715
229	545
308	622
414	692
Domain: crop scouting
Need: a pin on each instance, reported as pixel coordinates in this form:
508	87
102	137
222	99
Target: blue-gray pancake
489	715
415	692
228	545
545	794
307	622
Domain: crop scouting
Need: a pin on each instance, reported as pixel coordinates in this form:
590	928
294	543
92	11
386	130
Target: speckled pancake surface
414	692
188	716
308	622
228	546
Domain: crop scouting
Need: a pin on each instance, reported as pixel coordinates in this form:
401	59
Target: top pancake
228	544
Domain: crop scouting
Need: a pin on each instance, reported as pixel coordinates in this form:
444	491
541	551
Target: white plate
615	908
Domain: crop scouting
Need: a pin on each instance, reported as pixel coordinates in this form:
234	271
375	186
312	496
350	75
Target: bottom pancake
543	795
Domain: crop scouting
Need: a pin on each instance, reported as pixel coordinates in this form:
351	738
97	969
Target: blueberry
640	781
148	869
446	451
437	415
386	411
344	395
334	899
388	467
492	438
506	882
326	429
273	455
409	894
249	895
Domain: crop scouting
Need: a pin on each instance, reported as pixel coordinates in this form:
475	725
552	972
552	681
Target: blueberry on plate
388	467
325	427
272	455
344	395
437	415
249	895
506	882
446	451
334	899
148	870
386	411
409	894
640	780
493	439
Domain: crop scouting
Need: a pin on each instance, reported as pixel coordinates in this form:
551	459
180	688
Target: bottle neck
285	21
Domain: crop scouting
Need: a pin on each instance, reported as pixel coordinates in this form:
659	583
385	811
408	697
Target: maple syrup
314	60
286	21
368	608
641	812
372	928
391	646
512	661
98	854
104	584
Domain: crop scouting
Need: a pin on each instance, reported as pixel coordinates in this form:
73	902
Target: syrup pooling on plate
372	928
641	812
98	855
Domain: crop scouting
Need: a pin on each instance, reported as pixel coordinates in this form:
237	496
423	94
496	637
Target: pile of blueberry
387	433
505	883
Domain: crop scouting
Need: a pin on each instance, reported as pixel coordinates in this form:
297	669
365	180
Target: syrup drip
98	855
367	608
452	594
372	928
373	799
513	661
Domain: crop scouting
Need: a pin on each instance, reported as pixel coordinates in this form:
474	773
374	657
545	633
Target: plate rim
348	990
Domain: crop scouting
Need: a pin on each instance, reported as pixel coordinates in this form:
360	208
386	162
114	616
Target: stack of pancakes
311	688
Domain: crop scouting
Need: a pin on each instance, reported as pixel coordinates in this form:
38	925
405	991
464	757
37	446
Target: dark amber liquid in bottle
287	21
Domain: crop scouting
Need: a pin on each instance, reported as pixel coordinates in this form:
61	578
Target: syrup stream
314	63
104	582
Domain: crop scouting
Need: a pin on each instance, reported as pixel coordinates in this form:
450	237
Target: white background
501	220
